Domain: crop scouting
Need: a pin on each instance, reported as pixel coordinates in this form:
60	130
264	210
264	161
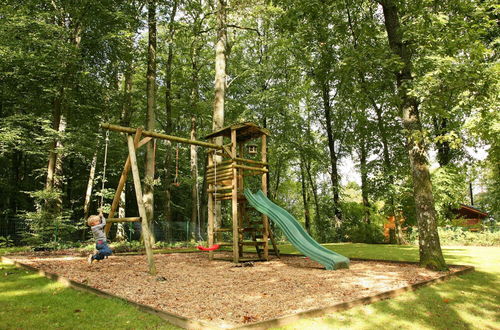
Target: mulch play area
220	292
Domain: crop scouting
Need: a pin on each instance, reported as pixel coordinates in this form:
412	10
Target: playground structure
226	171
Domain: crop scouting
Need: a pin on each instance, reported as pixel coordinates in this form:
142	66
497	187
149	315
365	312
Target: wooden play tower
229	164
226	173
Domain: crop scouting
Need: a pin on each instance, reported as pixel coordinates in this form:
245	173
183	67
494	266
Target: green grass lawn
471	301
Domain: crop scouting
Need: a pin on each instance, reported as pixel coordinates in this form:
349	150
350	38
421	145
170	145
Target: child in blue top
97	223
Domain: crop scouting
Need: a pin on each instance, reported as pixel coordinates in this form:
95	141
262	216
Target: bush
451	235
366	233
6	241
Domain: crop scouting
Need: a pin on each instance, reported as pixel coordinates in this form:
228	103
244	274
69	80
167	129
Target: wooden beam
131	130
121	182
143	142
212	176
146	233
220	188
251	161
224	162
234	197
210	208
252	168
130	219
265	219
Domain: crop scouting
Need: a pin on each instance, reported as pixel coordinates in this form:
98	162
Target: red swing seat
212	248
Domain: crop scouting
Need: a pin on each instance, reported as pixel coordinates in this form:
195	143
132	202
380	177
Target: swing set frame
225	174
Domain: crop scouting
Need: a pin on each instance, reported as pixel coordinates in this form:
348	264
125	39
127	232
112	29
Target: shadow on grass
28	301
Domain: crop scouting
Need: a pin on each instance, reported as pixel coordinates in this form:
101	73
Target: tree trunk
148	196
195	202
88	191
444	153
195	195
57	126
305	196
364	179
335	177
220	87
167	166
120	227
55	163
220	68
398	232
431	255
314	189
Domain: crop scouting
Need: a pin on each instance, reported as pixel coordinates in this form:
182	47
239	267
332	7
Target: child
97	223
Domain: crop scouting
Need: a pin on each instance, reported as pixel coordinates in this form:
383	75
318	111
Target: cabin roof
467	211
244	132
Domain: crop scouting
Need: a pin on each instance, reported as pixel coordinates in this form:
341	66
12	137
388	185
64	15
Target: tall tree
431	255
148	196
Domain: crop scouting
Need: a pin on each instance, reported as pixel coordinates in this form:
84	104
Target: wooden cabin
469	216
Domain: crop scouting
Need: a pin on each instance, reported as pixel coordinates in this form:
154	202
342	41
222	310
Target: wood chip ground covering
190	285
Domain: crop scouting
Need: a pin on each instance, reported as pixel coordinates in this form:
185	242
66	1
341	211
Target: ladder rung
132	219
253	243
220	230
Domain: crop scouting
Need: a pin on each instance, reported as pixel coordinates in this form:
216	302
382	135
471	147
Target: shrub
6	241
366	233
451	235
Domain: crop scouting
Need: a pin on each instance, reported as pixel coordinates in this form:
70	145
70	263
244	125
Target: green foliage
366	233
450	189
44	225
6	241
453	236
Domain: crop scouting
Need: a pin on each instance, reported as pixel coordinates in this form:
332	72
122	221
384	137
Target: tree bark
444	153
305	196
364	179
220	68
334	175
314	190
431	255
195	195
167	166
55	162
88	191
195	201
148	195
220	86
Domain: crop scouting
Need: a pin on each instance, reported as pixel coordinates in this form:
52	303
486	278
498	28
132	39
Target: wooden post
234	204
140	204
241	206
121	183
265	220
210	208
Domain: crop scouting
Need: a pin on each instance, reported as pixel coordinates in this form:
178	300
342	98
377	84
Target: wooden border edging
280	321
175	319
187	323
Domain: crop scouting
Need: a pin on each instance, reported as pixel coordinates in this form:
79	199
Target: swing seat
212	248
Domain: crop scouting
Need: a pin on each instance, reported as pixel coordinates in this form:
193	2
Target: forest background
320	75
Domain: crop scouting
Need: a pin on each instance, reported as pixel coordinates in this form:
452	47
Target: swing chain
103	181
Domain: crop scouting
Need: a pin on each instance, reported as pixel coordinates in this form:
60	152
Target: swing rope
176	178
103	181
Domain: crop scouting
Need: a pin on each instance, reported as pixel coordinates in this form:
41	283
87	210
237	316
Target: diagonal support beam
146	232
123	179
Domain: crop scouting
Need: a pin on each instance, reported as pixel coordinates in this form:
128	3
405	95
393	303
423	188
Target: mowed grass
471	301
30	301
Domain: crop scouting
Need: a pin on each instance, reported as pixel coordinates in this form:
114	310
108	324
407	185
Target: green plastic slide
294	232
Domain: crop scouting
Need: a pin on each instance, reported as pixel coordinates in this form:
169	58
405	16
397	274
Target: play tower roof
245	131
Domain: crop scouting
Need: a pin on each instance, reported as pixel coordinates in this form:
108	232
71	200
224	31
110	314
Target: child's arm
103	221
